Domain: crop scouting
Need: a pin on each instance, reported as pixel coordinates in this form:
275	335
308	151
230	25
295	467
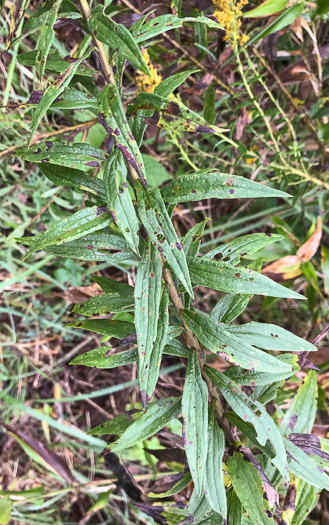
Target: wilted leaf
310	247
168	486
37	451
195	421
304	467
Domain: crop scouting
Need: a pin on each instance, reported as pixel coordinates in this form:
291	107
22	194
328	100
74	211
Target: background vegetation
272	96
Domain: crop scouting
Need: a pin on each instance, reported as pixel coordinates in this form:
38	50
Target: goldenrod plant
235	454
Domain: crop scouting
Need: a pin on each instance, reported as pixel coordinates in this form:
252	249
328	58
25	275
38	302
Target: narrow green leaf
191	241
105	304
249	488
226	278
46	37
55	62
162	234
300	416
72	178
117	37
117	425
220	341
114	120
177	348
214	481
195	421
5	510
215	185
250	377
231	252
235	509
172	115
161	24
147	308
52	93
98	246
280	22
85	221
114	287
168	85
108	327
325	267
97	358
81	156
306	499
159	343
119	201
229	307
269	7
271	337
254	413
154	419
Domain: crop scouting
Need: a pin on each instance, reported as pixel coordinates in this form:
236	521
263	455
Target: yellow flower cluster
144	82
227	14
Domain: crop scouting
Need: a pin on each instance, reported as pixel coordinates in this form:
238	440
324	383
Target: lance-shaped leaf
37	451
235	509
215	185
98	358
195	421
172	115
253	378
300	416
55	62
249	488
270	337
161	24
153	369
108	327
97	246
269	7
162	234
46	37
117	37
214	481
147	308
119	201
15	15
231	252
168	85
117	425
85	221
229	307
107	303
304	467
114	120
53	91
72	178
112	286
191	241
153	420
226	278
253	412
220	341
81	156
